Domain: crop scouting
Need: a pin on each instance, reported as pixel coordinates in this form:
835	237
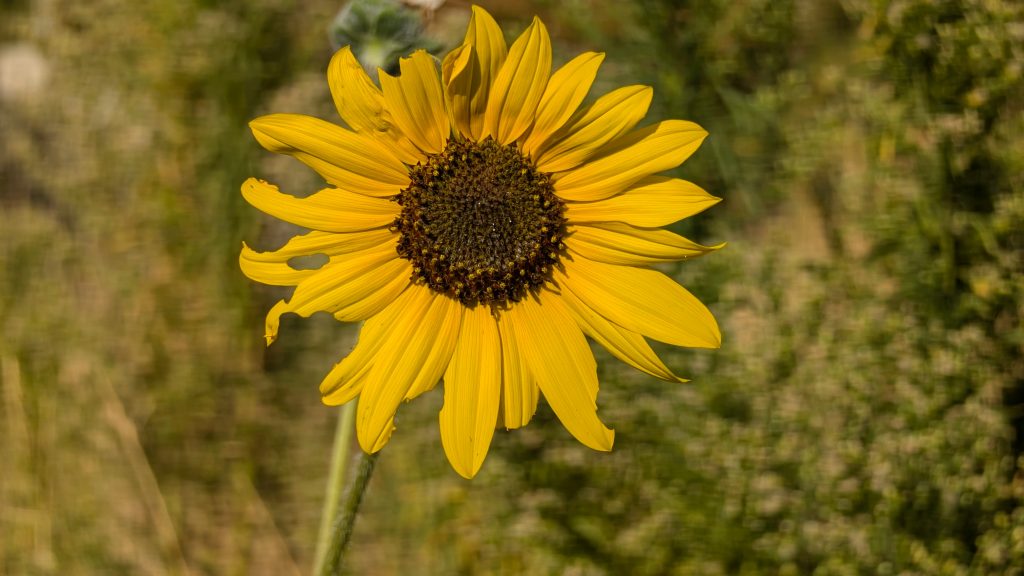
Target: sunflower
481	222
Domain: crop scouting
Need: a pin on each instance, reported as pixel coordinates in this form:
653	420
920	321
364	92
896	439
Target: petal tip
716	338
328	400
465	469
372	445
606	442
249	184
273	321
258	126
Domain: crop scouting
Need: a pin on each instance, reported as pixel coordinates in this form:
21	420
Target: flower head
481	223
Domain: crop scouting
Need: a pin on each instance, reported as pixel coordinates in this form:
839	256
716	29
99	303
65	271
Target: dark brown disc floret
480	224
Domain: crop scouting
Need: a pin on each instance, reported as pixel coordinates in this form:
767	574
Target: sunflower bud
379	32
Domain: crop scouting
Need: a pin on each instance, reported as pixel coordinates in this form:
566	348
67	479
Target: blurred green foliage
863	417
380	32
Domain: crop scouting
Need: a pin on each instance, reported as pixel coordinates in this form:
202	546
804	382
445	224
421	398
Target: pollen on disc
479	223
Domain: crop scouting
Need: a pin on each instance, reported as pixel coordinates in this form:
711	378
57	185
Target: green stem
342	531
335	480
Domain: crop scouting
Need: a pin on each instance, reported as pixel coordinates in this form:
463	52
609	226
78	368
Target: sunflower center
479	223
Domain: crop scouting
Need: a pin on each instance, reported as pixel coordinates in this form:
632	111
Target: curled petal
417	103
512	102
269	272
361	104
469	71
460	77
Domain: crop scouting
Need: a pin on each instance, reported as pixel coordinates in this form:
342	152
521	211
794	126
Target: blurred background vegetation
864	416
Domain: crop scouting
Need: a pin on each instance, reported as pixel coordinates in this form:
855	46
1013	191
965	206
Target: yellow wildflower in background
481	223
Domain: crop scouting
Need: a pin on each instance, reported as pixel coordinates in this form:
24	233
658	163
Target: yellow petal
273	321
623	162
344	158
626	345
488	56
472	392
360	103
618	243
652	202
337	285
358	100
460	78
519	392
566	90
351	302
488	42
561	360
379	288
273	267
611	116
329	210
642	300
346	378
403	354
517	90
341	390
440	354
327	243
416	102
359	286
269	272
